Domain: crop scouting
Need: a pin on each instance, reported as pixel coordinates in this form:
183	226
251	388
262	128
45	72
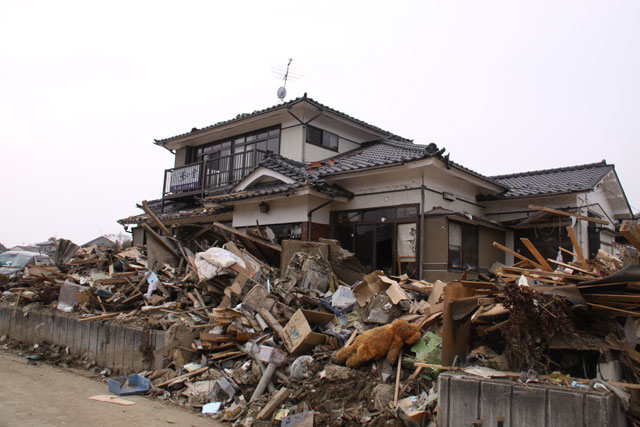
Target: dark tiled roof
285	105
290	168
298	171
551	181
375	154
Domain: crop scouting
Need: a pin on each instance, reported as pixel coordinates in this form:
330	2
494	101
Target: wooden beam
537	255
573	267
631	231
564	213
276	400
517	255
244	235
155	219
615	310
576	247
160	240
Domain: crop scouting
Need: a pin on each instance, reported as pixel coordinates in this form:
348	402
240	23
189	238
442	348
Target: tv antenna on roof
282	90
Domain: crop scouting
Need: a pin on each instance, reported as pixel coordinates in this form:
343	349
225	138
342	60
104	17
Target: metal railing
210	174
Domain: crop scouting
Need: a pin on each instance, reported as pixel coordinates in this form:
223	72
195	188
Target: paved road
44	395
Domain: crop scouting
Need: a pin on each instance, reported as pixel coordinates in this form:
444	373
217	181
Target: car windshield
14	260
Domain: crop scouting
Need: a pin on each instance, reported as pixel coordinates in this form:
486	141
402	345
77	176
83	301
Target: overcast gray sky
505	86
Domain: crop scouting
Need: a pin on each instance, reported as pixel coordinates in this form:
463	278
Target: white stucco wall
291	142
399	186
283	211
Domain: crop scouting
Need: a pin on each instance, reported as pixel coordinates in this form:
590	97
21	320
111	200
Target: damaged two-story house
308	171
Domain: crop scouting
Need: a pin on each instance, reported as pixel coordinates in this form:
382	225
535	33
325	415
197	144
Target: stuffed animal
378	342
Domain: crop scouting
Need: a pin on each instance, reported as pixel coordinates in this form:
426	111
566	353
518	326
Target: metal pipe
310	214
421	228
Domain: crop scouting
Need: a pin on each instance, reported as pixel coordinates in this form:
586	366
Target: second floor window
263	140
322	138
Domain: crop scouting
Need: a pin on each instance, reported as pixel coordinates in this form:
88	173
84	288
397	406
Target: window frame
464	246
198	151
307	139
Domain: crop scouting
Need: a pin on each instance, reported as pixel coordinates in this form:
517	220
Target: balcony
210	174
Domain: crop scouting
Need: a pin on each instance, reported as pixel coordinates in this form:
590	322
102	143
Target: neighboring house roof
100	241
551	181
283	106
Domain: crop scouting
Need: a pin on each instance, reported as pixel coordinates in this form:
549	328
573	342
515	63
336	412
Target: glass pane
364	246
384	248
373	215
455	234
454	257
251	138
273	145
314	135
389	213
262	145
274	132
263	135
344	234
330	140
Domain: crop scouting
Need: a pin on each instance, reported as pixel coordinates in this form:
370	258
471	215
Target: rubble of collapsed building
262	331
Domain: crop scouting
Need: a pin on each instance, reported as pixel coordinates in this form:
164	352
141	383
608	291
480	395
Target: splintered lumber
564	213
526	271
631	231
573	267
276	400
615	310
568	252
536	254
160	240
155	219
250	238
397	389
516	254
273	322
183	377
576	247
99	317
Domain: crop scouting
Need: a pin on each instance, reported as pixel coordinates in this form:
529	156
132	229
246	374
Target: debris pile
262	332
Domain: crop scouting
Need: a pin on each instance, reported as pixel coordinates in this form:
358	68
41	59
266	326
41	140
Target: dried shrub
534	319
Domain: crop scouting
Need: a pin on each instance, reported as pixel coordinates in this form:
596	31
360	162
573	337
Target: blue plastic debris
136	385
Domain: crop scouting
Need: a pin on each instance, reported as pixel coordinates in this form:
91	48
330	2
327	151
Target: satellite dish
282	92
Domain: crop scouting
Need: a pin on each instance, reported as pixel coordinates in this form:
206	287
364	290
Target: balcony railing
210	174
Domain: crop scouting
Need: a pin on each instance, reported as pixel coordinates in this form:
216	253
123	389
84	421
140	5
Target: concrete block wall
464	400
117	347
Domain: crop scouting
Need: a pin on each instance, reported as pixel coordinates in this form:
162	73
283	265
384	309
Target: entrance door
374	246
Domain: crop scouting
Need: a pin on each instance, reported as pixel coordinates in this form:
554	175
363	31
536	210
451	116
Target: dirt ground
43	395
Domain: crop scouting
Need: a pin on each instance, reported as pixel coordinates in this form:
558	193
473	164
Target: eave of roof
558	181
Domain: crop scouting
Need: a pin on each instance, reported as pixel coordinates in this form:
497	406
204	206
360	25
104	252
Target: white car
13	262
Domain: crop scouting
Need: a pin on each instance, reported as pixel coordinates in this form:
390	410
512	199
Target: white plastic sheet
214	262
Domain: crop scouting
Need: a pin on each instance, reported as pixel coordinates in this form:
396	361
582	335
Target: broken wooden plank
99	317
276	400
573	267
155	219
536	254
183	377
615	310
631	231
576	247
517	255
161	240
565	213
244	235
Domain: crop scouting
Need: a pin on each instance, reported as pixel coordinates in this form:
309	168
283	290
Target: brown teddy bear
378	342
